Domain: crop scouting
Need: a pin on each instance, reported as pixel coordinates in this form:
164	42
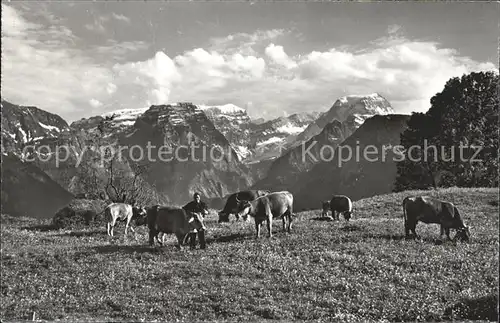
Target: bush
80	213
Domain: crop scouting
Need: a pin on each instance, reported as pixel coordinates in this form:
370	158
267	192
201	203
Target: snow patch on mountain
272	140
24	139
225	109
50	128
242	151
291	129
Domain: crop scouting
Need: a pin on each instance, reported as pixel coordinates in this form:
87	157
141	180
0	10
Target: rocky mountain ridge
345	116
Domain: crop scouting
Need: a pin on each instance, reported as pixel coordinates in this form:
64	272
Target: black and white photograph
258	161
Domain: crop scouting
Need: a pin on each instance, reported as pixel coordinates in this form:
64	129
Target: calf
164	219
121	212
430	210
341	204
265	208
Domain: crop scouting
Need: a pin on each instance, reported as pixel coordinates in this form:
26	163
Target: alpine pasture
363	270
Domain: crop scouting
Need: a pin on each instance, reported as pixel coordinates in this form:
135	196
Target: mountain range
247	153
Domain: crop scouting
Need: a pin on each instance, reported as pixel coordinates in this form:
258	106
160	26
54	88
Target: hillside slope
352	170
364	271
28	191
330	129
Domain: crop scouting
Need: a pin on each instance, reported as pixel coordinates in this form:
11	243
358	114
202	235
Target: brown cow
121	212
265	208
341	204
173	220
231	206
430	210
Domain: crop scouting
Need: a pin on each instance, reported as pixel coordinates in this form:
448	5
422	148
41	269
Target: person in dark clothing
196	206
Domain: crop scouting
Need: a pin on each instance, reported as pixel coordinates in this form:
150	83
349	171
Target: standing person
196	206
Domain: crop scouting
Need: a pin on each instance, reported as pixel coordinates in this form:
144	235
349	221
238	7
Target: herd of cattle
266	206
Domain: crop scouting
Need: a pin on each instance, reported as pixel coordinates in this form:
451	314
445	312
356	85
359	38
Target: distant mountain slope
28	191
357	177
269	139
27	124
355	107
337	124
173	125
211	167
259	140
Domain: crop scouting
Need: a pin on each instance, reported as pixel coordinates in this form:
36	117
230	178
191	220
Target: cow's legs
269	224
257	228
410	227
112	225
288	217
201	236
128	226
152	235
445	231
180	240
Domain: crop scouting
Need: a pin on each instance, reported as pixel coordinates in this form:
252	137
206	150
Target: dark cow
269	207
325	205
121	212
430	210
231	206
341	204
164	219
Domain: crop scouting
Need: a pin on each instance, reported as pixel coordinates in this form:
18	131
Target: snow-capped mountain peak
228	108
125	117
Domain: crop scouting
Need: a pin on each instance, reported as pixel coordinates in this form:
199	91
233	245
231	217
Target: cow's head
347	215
142	217
138	212
205	211
243	208
325	205
223	217
463	234
195	221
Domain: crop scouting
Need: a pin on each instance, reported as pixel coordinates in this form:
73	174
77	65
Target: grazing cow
121	212
341	204
325	208
430	210
175	220
231	206
265	208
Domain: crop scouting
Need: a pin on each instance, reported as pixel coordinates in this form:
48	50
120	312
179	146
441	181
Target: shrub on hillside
80	213
461	122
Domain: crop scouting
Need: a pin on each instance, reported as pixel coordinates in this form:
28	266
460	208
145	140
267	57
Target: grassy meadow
324	271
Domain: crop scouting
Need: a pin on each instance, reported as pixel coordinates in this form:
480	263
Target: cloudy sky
82	59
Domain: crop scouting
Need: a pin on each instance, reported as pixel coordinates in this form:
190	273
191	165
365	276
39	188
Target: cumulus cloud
278	55
249	70
244	43
120	17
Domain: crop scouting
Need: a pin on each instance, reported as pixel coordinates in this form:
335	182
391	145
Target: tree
106	174
462	120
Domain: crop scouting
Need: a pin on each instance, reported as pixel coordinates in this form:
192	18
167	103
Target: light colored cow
265	208
121	212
